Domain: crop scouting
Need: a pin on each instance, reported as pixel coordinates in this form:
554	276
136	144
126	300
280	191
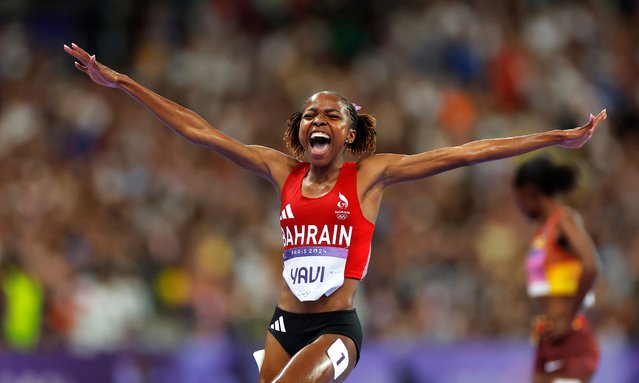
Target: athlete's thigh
313	365
275	358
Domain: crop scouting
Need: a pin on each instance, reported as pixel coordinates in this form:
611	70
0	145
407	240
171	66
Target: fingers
600	117
81	67
79	49
603	114
594	120
77	52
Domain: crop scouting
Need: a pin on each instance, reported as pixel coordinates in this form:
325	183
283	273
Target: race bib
313	271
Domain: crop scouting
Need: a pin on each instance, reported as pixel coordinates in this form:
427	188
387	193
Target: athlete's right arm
265	162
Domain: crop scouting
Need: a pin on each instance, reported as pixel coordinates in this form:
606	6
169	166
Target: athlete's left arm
580	244
390	169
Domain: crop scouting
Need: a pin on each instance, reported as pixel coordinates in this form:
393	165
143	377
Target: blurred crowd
115	233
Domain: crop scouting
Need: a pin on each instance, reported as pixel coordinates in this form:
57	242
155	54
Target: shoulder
570	219
274	154
300	166
377	163
378	160
298	171
279	164
569	214
376	169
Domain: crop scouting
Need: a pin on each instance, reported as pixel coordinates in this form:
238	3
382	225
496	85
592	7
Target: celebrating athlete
328	211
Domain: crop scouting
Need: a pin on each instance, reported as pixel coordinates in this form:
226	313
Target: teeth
319	134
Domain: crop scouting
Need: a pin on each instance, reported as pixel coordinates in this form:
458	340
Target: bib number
313	271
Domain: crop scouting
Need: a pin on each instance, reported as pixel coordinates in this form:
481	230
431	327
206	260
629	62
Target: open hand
577	137
100	74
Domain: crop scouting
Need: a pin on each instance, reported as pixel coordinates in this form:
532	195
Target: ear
351	136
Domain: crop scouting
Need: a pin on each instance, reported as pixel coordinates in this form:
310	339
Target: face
325	128
528	200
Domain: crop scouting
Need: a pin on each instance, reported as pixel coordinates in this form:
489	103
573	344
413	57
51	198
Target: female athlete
328	210
562	266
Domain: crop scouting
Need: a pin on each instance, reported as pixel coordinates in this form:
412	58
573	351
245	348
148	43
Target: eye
334	116
308	116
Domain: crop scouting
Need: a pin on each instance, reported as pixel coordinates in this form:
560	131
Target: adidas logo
278	325
287	213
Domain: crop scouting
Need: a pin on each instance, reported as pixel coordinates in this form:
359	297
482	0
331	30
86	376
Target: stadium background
128	255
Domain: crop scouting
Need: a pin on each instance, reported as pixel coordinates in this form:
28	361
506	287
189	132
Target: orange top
552	271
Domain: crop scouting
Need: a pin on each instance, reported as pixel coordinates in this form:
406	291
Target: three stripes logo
287	213
278	325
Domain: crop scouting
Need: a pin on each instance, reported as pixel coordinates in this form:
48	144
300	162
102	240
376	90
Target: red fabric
554	252
331	215
575	355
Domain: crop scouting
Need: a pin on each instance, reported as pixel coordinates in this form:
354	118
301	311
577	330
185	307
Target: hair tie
357	107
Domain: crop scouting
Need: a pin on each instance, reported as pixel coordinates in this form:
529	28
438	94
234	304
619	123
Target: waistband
313	315
541	324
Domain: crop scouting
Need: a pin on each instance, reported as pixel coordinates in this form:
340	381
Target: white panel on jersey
538	289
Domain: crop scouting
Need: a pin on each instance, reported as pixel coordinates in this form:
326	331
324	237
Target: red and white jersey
325	239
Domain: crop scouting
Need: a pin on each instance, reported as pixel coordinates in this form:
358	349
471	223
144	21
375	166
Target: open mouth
319	142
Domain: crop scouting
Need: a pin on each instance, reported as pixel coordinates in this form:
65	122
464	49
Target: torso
552	271
311	204
342	299
556	308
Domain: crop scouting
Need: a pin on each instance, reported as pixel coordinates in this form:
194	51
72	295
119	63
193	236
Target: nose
319	121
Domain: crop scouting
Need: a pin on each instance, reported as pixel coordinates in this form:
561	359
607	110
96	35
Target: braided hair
548	177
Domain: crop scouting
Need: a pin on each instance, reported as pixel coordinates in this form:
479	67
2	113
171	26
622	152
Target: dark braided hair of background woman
548	177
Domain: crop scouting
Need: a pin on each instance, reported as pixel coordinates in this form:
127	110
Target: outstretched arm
268	163
394	168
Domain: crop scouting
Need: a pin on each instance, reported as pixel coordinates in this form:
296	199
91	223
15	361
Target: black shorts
295	331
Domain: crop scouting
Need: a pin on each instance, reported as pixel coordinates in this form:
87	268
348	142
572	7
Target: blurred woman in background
562	266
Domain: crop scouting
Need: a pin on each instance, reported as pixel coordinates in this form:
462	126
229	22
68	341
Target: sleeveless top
551	270
326	239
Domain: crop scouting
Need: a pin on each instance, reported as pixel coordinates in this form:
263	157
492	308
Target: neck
321	174
548	206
